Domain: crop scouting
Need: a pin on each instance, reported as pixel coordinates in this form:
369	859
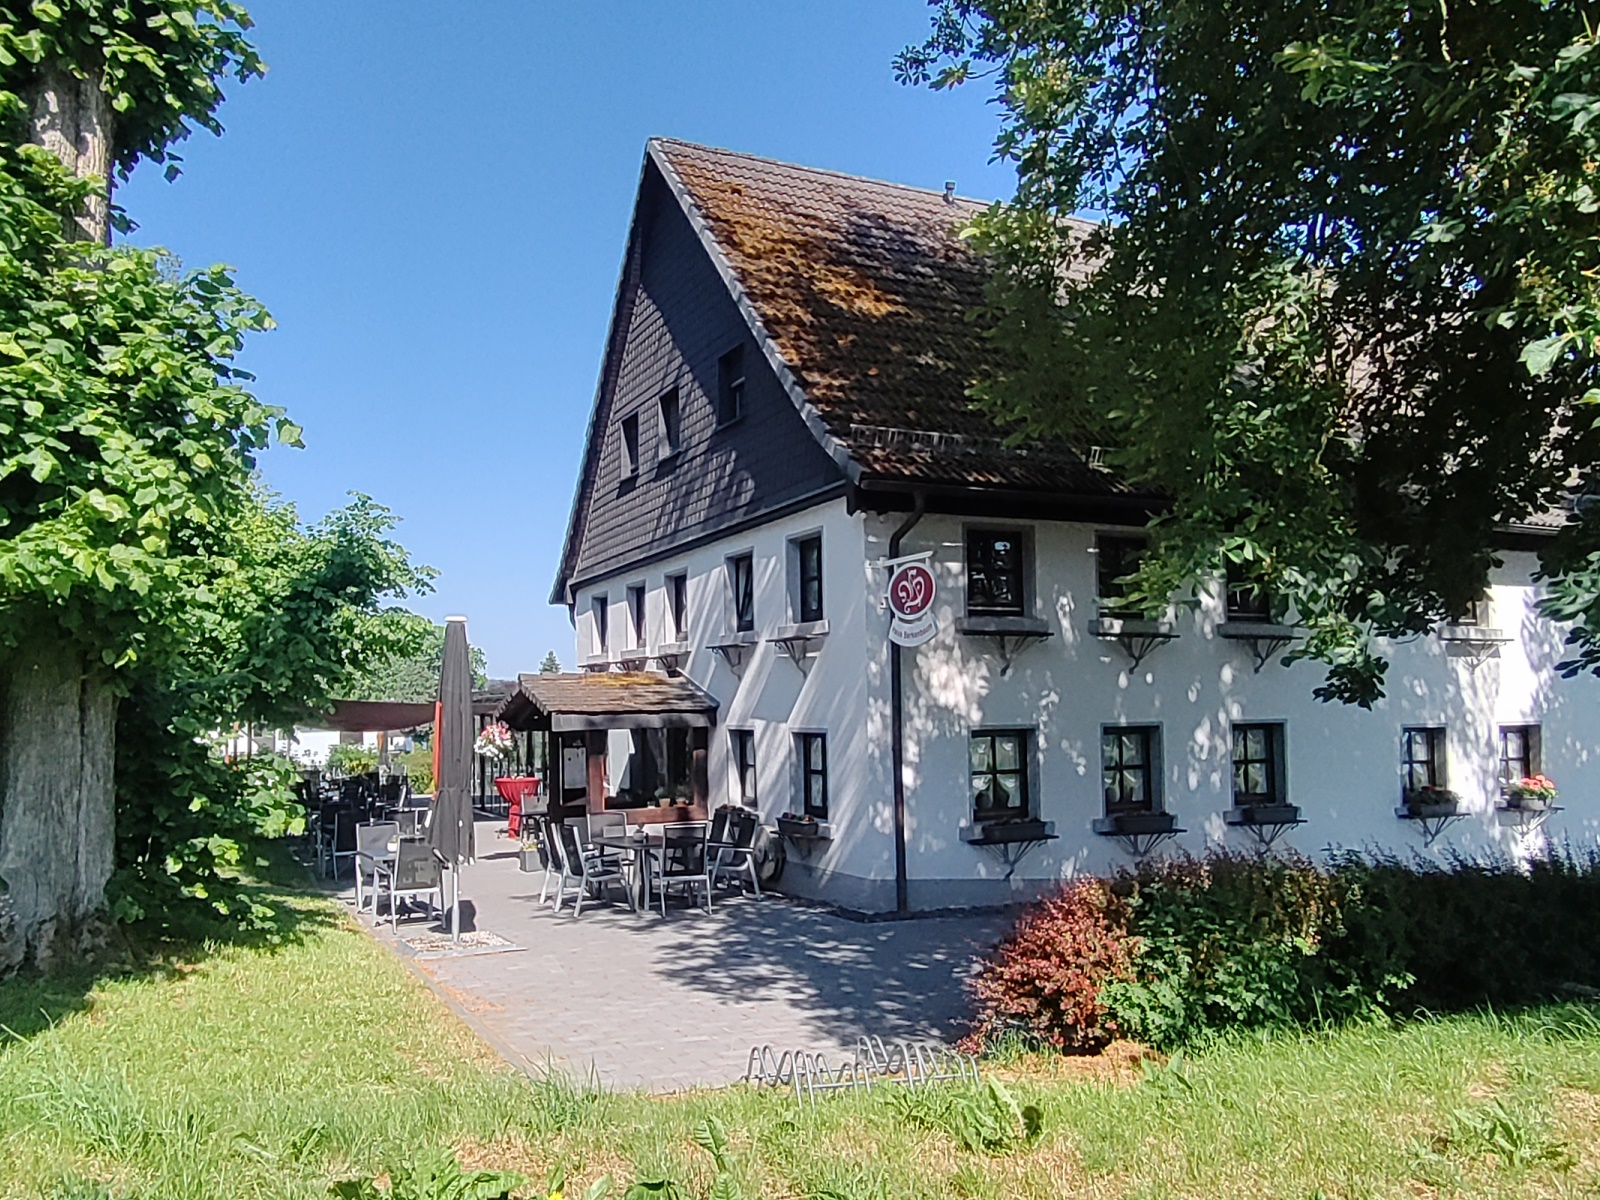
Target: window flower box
1136	824
803	828
1429	803
1532	793
1263	814
1007	831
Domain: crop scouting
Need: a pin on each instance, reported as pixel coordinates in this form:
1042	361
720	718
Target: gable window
808	561
1519	753
730	386
1246	601
670	425
1257	765
997	764
1130	769
1422	758
678	604
742	582
600	610
1116	556
812	751
636	614
742	744
630	446
995	565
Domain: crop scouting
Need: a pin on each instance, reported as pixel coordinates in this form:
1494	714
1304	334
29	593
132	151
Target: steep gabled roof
864	292
859	293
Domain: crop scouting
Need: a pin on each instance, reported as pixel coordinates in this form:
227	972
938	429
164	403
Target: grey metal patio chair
417	870
683	860
372	852
537	830
735	851
336	837
588	868
607	822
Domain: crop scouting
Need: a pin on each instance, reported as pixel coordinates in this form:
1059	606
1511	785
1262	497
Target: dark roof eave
894	494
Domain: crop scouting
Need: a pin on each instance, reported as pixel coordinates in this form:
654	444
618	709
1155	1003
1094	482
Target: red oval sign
911	591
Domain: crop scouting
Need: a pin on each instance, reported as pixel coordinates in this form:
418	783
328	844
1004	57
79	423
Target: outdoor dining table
637	842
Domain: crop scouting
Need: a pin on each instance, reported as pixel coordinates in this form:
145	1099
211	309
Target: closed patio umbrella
450	823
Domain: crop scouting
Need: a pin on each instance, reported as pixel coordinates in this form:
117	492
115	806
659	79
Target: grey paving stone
638	1001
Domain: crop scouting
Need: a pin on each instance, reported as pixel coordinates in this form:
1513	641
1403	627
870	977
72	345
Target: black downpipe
902	903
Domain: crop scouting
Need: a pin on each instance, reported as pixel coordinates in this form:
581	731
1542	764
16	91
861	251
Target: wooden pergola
578	712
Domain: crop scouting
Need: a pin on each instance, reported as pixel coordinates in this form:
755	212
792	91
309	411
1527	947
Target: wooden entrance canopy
598	700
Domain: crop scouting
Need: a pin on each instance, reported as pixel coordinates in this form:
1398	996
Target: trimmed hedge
1173	952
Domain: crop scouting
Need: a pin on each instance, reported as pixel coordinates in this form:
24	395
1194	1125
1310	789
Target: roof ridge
937	193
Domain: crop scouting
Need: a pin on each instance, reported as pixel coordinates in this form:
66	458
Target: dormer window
730	386
670	425
630	447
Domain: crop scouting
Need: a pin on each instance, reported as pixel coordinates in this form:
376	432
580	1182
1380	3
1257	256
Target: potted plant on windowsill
802	826
1531	793
1431	801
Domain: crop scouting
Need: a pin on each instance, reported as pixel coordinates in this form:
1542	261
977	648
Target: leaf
599	1189
711	1137
1541	355
648	1189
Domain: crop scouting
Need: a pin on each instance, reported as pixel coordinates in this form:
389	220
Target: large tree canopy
410	671
1339	300
150	593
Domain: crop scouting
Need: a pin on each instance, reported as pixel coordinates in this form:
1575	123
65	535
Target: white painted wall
1343	764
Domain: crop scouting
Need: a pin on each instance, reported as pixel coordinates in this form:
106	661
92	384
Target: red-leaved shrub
1045	977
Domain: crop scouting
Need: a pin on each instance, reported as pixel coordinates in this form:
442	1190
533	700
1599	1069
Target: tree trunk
57	742
72	119
57	708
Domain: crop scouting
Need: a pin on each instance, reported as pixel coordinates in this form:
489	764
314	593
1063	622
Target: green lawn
255	1073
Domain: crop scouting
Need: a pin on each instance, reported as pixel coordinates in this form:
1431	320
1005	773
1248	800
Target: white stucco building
769	420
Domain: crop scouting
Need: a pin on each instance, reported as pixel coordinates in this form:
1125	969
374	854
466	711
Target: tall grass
269	1073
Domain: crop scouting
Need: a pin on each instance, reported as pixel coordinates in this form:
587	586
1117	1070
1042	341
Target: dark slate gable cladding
676	319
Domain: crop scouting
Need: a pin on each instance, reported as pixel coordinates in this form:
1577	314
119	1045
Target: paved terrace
669	1004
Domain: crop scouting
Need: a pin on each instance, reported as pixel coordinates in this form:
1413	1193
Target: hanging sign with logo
911	590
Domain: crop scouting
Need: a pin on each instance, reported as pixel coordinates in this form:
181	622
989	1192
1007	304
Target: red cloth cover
514	790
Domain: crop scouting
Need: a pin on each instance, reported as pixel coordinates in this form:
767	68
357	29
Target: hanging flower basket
494	741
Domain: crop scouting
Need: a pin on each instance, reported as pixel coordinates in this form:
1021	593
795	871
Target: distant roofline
936	193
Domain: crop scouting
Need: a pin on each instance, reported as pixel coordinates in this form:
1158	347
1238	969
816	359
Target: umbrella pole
455	903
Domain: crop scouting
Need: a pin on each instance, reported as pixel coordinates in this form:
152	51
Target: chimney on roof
949	191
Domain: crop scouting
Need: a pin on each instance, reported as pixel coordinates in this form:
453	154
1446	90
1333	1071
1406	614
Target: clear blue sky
432	200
